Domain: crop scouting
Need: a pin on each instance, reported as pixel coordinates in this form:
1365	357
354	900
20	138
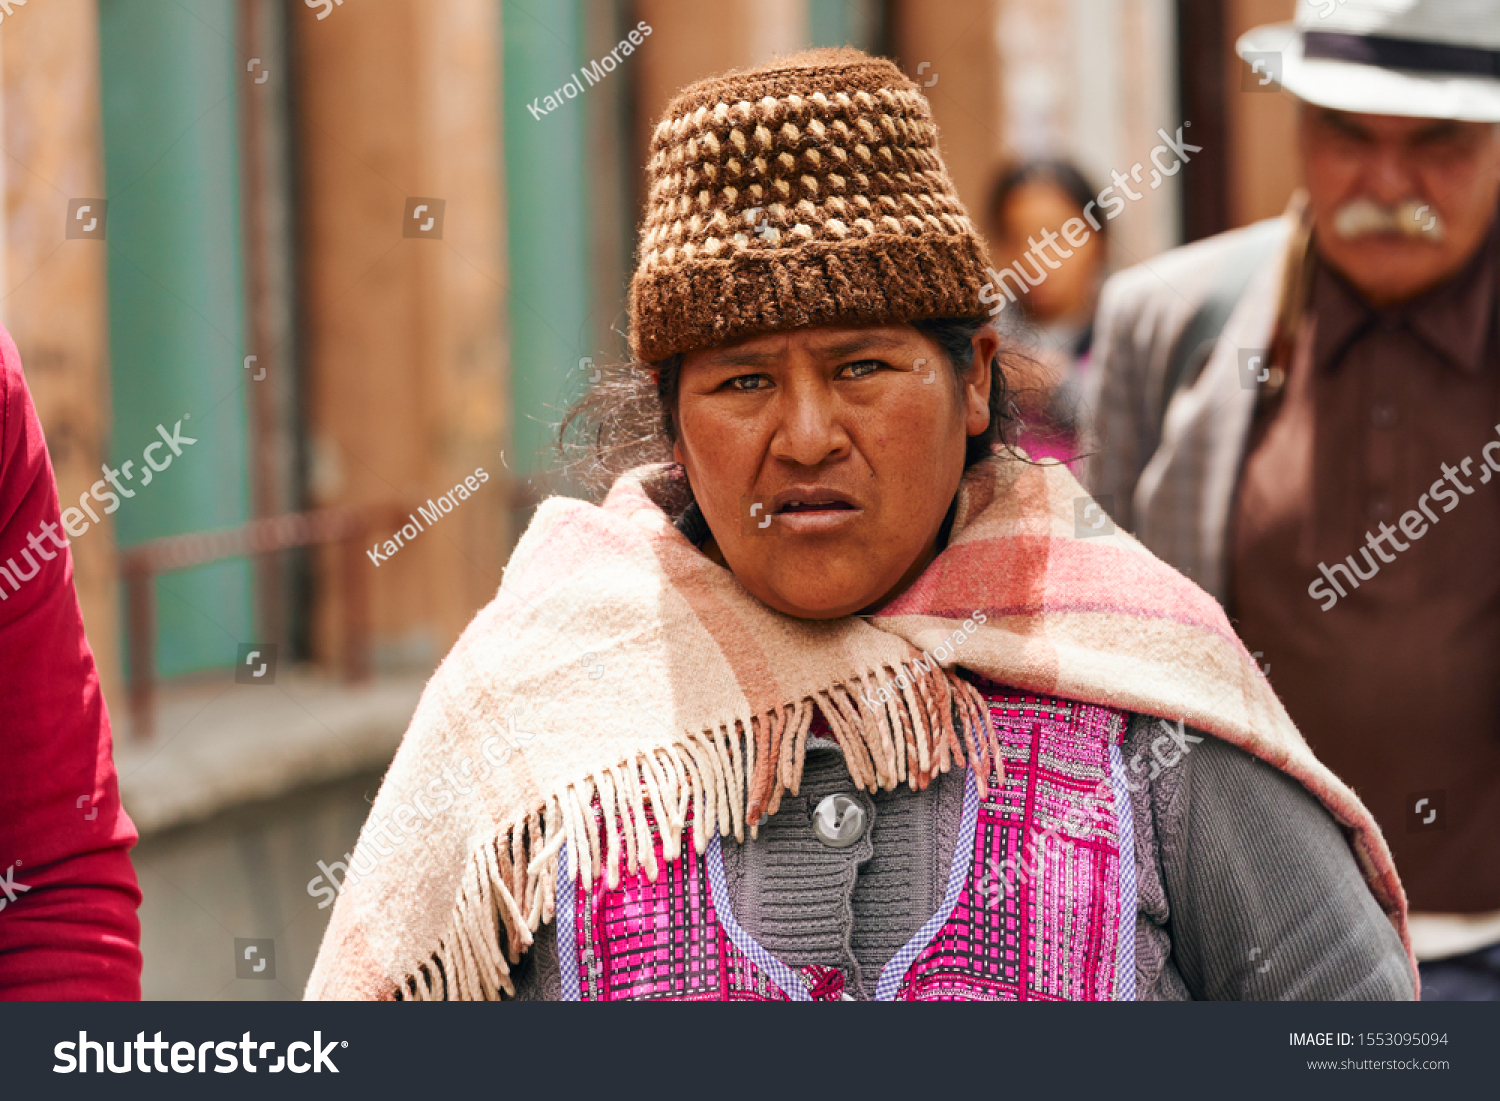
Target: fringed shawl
618	663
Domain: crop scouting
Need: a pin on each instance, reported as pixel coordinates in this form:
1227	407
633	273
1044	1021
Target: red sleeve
68	893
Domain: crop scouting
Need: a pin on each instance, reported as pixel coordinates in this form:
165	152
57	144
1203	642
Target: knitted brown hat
805	192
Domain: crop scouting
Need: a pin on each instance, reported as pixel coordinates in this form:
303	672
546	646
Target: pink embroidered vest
1040	902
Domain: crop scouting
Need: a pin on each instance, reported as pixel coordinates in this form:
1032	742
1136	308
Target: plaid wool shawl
619	665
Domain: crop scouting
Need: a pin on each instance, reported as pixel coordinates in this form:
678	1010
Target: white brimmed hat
1419	58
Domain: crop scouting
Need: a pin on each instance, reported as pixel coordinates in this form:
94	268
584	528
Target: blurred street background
347	244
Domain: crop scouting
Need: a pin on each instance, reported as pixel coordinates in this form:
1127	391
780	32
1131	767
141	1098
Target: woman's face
1068	289
825	459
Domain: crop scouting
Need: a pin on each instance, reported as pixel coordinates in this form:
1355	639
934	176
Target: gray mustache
1411	218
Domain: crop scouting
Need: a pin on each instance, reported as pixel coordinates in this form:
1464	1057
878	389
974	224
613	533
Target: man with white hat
1303	416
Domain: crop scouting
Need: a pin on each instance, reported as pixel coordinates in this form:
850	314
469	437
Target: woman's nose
810	430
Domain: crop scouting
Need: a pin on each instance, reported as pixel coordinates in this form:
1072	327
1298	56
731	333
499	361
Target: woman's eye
747	382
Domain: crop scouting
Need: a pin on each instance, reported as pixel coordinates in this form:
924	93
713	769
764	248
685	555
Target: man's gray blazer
1170	480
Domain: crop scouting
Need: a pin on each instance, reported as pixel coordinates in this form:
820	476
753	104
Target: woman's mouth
816	510
809	506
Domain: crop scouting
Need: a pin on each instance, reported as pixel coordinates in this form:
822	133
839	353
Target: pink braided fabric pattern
1036	920
645	941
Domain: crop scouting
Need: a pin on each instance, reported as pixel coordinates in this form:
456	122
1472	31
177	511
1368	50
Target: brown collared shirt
1383	419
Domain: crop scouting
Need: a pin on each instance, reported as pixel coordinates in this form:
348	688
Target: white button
839	821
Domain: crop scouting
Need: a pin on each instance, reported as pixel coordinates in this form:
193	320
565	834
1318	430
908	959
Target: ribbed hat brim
886	278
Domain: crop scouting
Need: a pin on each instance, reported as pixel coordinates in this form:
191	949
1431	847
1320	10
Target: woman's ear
979	379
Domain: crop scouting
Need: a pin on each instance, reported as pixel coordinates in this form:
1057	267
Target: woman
1029	199
834	704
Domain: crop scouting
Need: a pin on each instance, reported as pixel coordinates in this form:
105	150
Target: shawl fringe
924	719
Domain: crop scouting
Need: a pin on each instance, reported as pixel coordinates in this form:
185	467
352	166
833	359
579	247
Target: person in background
1028	198
1303	416
68	893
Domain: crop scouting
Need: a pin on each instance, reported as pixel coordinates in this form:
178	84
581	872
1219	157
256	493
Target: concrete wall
243	875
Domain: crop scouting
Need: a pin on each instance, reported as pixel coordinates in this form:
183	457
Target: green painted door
170	74
547	200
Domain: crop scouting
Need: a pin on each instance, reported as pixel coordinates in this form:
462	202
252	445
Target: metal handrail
142	564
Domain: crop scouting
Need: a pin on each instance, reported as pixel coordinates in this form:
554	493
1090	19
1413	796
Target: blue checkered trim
567	940
958	875
1125	830
782	975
